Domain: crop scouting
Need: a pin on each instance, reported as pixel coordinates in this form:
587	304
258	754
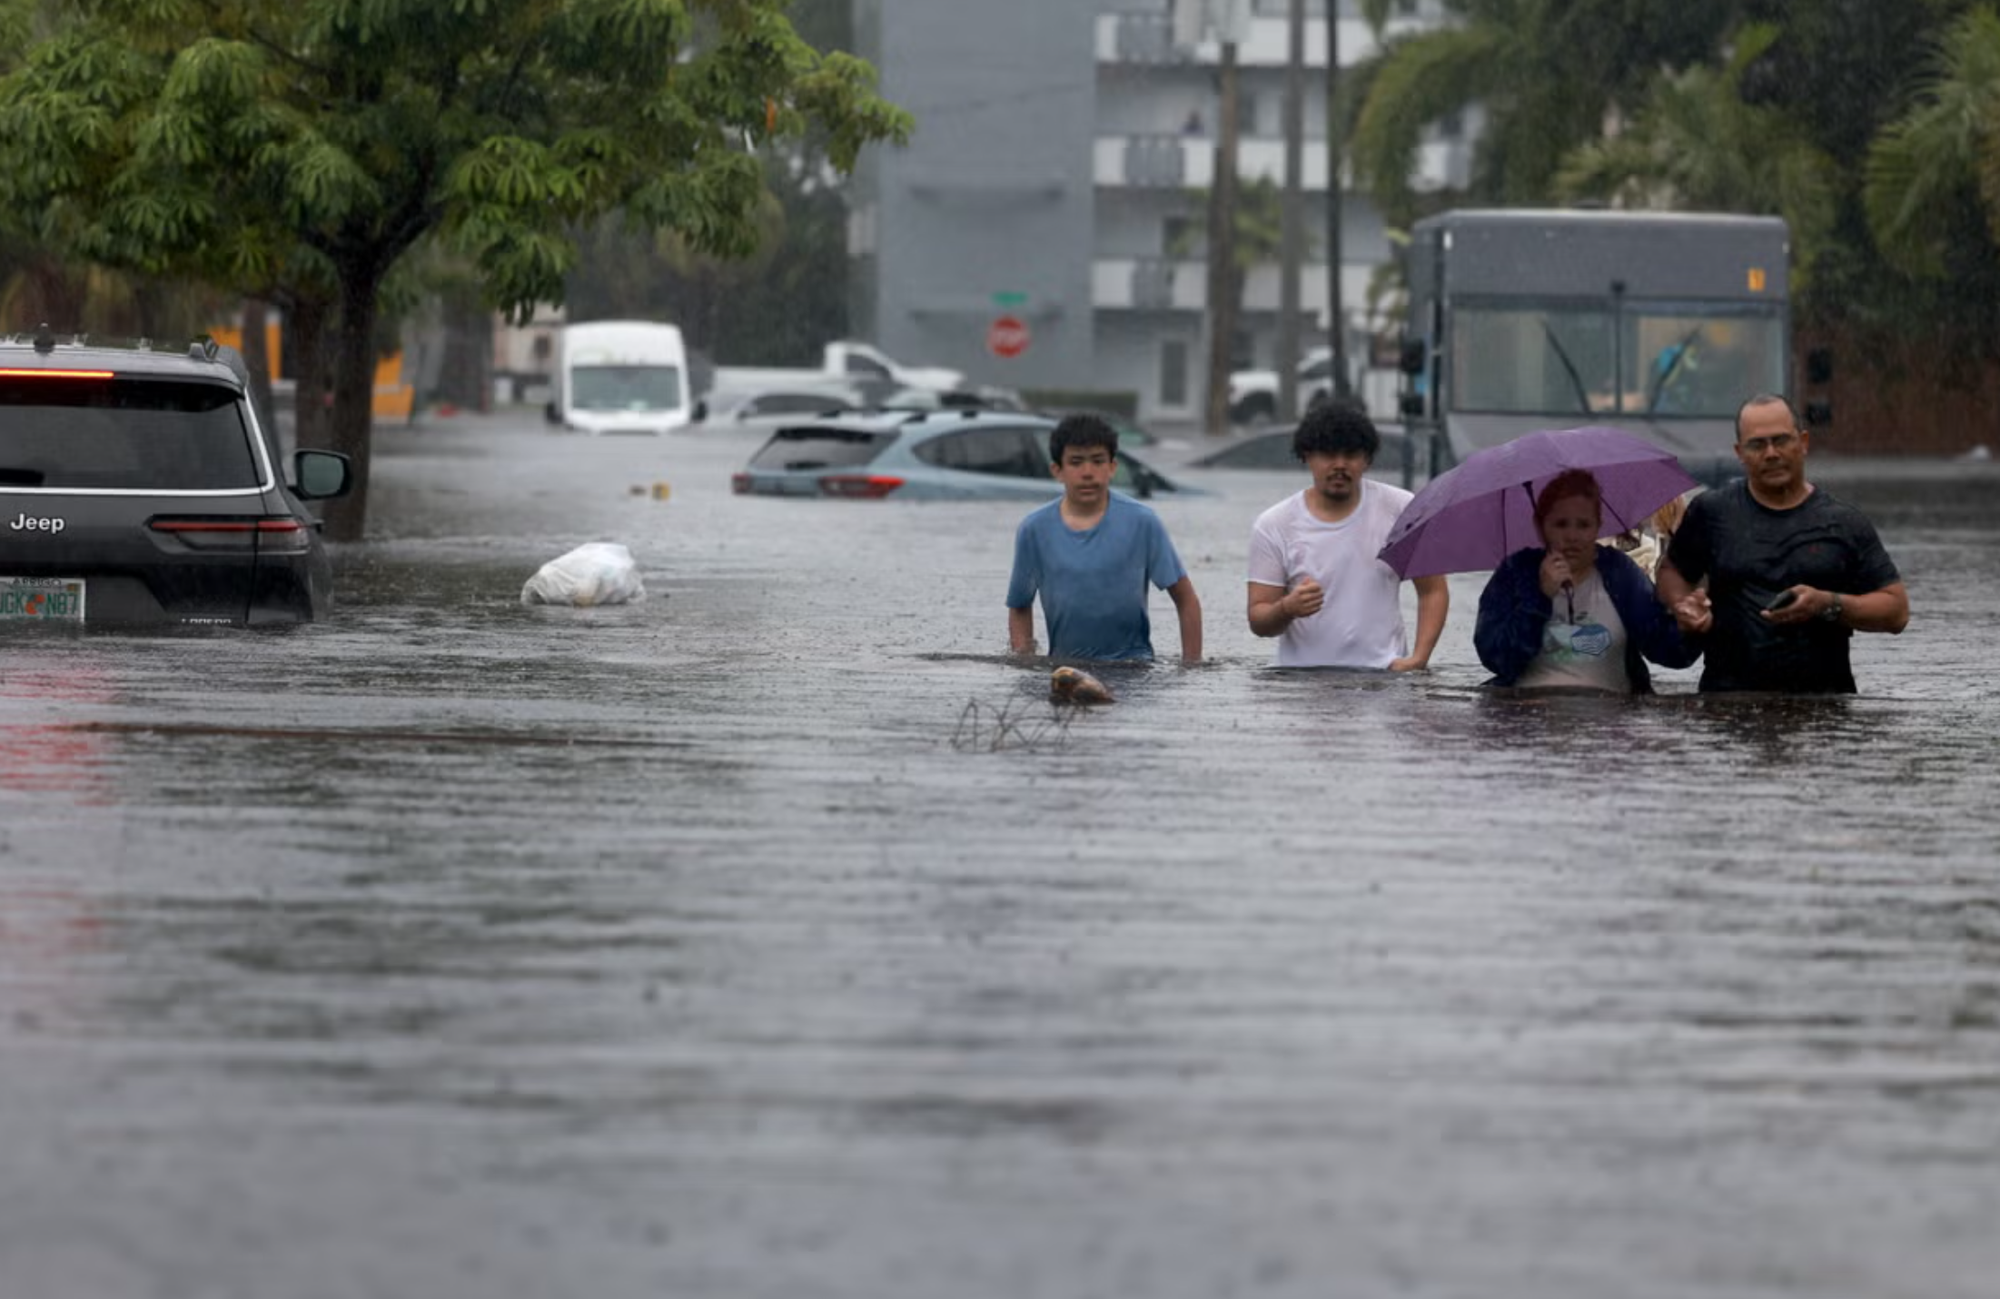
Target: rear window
149	434
820	448
1008	452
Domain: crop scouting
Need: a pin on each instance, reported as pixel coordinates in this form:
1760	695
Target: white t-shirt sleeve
1267	552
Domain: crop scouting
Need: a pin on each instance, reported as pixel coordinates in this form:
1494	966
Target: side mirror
1411	359
1819	365
1818	414
321	475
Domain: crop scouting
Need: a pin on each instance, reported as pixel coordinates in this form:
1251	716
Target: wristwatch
1832	611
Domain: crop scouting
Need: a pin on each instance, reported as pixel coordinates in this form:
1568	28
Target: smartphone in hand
1785	600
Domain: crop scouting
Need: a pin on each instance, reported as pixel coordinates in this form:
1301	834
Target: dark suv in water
138	486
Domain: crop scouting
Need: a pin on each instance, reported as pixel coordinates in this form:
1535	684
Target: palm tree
1695	144
1259	232
1547	75
1943	154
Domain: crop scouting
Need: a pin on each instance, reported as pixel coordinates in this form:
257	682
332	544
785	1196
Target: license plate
41	599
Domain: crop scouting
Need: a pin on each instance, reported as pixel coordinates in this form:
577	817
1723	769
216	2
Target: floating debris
1075	686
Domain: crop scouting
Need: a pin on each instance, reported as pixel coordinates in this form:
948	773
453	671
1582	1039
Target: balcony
1188	162
1149	39
1154	161
1148	284
1181	284
1138	38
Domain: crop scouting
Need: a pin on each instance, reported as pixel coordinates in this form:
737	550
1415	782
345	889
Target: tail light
280	535
739	483
862	487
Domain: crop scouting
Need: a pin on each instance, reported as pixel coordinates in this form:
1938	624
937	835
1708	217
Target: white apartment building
1057	177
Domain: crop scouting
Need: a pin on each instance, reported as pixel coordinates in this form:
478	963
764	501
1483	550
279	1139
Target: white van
621	376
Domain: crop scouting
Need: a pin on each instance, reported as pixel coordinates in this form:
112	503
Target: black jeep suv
137	486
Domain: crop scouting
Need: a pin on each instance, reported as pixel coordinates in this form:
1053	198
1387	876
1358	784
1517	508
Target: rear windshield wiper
22	477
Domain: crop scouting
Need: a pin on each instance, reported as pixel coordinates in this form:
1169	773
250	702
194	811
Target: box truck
620	376
1660	323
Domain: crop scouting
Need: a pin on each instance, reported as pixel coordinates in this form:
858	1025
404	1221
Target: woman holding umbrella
1571	613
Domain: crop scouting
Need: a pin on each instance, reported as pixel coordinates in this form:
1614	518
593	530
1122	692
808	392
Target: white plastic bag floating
598	572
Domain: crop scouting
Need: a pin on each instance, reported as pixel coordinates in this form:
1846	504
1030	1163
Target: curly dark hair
1333	427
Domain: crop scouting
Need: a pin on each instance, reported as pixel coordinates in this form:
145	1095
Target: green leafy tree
1942	157
1258	233
307	147
1695	145
1546	74
1930	188
777	307
40	284
1907	277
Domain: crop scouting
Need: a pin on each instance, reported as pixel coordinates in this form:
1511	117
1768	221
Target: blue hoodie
1513	613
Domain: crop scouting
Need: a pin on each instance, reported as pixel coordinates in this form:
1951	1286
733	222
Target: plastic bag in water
599	572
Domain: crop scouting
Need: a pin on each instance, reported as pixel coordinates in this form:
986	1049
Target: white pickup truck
842	362
1253	394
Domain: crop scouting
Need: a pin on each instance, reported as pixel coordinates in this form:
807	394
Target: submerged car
924	455
1271	448
137	486
759	411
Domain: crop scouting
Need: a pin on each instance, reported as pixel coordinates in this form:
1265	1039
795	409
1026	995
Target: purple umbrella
1474	515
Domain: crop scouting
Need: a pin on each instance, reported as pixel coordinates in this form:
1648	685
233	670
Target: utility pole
1222	243
1292	234
1336	140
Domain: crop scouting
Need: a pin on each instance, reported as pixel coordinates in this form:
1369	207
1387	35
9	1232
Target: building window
1247	120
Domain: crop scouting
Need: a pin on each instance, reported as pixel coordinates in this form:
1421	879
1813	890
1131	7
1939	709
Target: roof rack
45	341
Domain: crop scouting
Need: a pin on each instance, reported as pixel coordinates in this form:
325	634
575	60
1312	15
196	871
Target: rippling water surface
771	937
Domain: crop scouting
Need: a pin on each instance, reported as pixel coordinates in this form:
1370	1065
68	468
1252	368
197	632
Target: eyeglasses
1776	442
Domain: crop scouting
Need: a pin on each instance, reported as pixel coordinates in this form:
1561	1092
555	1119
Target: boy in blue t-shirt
1089	555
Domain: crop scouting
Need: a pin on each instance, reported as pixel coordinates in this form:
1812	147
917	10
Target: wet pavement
771	937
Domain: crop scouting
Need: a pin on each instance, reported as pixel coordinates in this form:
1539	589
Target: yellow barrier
393	399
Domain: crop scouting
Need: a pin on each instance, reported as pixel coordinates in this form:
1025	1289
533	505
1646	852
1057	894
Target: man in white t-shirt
1315	581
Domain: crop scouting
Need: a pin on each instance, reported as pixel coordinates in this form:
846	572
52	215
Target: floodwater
770	938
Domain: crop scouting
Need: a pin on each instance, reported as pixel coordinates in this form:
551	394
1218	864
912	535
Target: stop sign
1007	336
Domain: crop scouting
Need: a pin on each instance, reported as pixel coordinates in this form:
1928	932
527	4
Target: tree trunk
1336	255
1292	239
353	397
1222	252
309	372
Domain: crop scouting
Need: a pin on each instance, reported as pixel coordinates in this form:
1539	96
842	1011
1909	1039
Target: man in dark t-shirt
1792	573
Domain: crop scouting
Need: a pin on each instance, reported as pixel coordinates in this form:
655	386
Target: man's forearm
1669	587
1269	617
1021	631
1190	614
1433	606
1887	610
